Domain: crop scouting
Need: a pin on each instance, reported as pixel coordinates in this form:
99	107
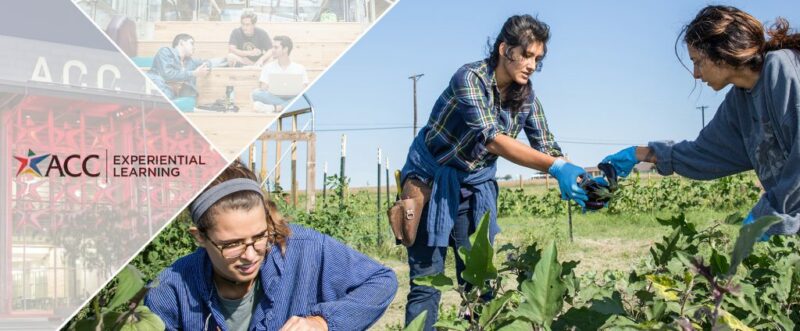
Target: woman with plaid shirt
476	120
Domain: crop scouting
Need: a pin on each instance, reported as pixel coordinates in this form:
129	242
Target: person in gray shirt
755	127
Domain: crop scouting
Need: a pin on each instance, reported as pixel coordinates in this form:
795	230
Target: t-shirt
238	312
275	68
259	39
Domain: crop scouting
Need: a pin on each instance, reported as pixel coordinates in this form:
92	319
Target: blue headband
208	198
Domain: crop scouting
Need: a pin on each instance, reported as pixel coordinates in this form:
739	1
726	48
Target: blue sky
610	79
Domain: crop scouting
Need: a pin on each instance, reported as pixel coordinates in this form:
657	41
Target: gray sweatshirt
752	129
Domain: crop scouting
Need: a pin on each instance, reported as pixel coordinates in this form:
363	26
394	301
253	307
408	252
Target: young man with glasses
255	271
476	120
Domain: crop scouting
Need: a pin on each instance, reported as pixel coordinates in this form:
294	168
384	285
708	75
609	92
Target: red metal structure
60	233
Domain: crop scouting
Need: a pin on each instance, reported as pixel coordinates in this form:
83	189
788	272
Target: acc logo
30	164
65	168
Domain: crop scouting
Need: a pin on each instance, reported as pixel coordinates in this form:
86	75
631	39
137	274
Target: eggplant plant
687	283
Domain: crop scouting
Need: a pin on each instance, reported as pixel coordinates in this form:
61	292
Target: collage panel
232	66
555	178
596	92
94	164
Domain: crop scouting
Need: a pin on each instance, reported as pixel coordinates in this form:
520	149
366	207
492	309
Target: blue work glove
623	161
567	175
749	220
601	180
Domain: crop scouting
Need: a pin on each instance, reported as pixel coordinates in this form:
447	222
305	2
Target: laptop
285	85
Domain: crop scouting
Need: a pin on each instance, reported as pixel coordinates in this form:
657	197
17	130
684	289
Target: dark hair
249	13
522	31
286	42
245	200
729	35
180	37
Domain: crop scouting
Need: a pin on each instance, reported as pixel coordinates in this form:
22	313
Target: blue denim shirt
752	129
317	276
168	68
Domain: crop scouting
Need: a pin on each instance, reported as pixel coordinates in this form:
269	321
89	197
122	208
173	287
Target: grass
601	242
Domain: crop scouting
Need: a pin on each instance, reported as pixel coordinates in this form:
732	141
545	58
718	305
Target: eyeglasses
260	244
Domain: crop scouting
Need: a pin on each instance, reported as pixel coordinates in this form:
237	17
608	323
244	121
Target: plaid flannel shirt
468	115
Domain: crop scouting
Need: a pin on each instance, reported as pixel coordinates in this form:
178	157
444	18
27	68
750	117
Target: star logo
30	164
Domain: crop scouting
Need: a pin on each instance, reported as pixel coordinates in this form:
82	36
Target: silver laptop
285	85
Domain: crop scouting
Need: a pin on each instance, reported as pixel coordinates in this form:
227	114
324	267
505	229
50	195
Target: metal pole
415	78
293	164
703	114
324	183
378	203
569	214
341	170
277	178
388	200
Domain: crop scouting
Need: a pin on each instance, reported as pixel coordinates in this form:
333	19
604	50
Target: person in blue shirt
253	271
756	126
474	122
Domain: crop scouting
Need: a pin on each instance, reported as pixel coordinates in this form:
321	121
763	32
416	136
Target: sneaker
262	107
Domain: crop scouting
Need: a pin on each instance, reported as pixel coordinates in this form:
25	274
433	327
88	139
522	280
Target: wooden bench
244	81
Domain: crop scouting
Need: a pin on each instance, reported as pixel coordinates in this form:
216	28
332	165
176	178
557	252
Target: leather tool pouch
405	215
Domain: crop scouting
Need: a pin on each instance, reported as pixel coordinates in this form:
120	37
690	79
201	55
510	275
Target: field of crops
659	257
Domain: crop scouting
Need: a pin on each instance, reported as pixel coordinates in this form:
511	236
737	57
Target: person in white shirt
281	50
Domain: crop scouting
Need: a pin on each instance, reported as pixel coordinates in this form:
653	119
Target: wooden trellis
294	136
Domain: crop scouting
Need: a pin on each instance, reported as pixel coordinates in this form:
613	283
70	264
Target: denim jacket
317	276
168	69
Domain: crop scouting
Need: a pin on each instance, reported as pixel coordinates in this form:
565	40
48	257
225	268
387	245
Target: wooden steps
310	54
299	32
316	46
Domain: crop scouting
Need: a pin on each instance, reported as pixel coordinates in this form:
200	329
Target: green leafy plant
131	315
535	301
687	283
633	196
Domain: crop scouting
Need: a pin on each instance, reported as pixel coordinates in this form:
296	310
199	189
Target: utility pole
703	112
415	78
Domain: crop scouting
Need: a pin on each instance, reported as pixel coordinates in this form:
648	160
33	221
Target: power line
364	129
570	141
597	143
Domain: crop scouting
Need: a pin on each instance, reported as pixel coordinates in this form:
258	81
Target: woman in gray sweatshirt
755	127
